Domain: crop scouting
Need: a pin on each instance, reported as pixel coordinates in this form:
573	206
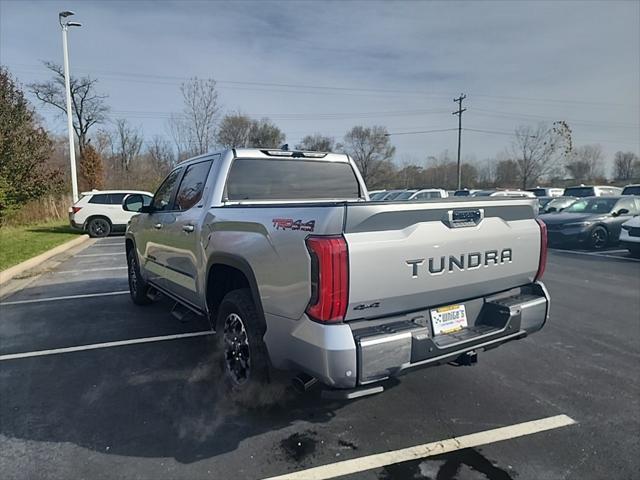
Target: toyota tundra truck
297	270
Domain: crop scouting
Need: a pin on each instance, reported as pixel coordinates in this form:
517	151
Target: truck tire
99	227
240	330
138	288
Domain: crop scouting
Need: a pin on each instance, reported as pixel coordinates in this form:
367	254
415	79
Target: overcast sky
327	66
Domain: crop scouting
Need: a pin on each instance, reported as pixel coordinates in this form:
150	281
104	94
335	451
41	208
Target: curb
16	270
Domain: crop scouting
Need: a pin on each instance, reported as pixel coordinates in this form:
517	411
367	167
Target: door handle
188	228
157	226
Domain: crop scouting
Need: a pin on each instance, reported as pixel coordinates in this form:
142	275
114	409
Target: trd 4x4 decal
291	224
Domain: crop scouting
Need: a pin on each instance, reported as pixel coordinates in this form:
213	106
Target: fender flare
243	266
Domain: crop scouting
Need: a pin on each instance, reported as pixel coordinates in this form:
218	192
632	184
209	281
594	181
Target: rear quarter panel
268	239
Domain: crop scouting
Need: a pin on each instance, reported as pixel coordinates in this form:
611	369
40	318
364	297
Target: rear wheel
240	329
598	238
138	288
99	227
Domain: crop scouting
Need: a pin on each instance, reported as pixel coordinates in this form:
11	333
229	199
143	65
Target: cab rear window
291	179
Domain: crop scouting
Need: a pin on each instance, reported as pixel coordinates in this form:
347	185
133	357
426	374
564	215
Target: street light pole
67	87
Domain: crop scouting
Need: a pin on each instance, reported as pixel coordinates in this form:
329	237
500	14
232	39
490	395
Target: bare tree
585	162
317	142
538	150
127	142
89	107
161	155
370	149
623	165
234	130
194	131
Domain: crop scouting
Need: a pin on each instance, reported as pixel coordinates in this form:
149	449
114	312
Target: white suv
100	212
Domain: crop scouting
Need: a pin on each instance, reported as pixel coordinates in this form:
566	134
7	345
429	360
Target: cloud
528	61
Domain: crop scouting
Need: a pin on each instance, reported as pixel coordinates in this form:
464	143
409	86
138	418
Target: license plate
448	319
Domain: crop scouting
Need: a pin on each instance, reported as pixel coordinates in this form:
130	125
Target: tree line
114	153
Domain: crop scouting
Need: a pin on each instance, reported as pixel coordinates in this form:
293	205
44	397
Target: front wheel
240	329
138	288
598	238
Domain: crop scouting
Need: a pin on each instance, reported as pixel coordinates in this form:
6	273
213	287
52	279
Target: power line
420	131
176	80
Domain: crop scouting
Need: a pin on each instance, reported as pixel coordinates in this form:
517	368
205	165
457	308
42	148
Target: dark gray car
592	222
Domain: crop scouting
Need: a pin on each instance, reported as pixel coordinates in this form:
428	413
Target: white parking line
88	270
99	254
599	254
369	462
95	346
68	297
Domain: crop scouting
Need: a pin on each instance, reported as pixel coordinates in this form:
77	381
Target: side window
100	199
192	185
116	198
162	198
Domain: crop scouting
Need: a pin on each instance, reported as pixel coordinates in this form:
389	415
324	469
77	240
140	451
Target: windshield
377	195
404	195
631	190
559	203
392	195
592	205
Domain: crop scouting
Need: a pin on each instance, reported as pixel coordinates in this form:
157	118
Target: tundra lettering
457	262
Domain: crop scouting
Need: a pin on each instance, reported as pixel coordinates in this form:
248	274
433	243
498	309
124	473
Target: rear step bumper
368	351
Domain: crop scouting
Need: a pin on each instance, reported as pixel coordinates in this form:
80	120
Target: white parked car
100	212
504	193
546	191
425	194
630	236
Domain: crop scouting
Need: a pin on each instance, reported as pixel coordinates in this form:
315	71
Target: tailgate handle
464	217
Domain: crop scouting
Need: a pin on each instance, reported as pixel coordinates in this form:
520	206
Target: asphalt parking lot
93	387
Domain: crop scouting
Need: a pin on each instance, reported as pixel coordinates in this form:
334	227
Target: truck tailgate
408	256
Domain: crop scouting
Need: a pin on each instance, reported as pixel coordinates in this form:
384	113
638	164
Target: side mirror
622	211
550	209
135	203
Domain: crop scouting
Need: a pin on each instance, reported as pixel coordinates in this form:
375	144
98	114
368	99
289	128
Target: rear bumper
364	352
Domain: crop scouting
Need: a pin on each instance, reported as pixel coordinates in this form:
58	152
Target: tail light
543	249
76	209
329	278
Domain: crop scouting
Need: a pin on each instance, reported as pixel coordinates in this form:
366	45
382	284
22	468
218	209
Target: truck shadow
163	399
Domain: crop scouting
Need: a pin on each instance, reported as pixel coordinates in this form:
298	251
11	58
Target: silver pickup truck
298	270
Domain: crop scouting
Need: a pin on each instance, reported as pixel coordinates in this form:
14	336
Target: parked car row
592	222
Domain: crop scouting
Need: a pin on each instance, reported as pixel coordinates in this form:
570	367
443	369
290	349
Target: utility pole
459	113
67	88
